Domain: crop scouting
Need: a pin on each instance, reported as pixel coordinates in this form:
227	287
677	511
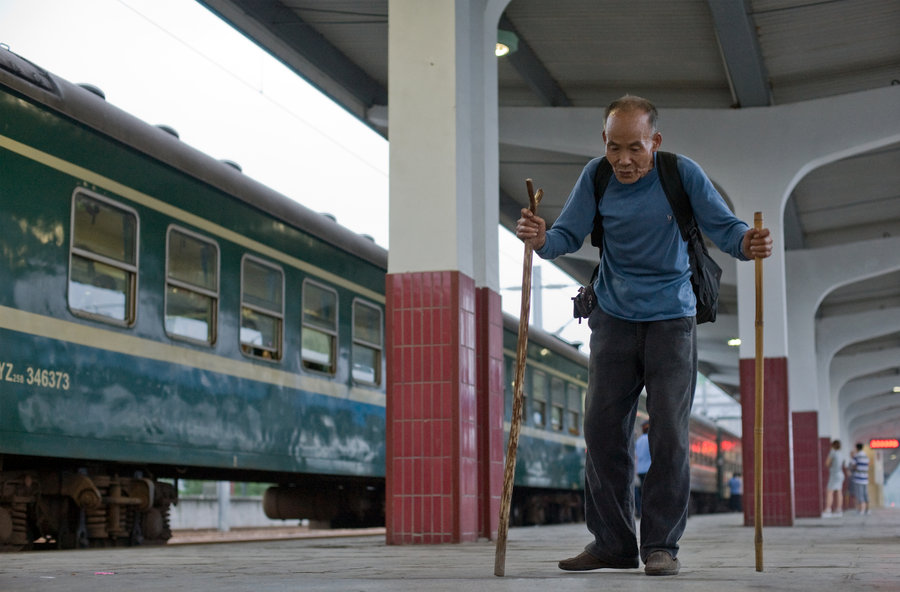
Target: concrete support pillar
491	437
778	491
808	465
444	334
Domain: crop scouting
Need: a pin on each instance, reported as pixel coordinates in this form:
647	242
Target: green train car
549	474
163	317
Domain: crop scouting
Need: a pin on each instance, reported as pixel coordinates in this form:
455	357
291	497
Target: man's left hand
757	244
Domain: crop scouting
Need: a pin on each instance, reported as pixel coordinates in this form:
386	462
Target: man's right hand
532	228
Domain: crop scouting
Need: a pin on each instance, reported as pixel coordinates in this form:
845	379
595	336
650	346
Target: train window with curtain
367	343
539	398
192	286
557	403
318	338
103	259
573	408
262	309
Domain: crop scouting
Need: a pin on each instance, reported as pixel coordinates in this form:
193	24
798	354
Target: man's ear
657	140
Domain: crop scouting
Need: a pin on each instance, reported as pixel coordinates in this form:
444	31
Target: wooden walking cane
516	420
758	420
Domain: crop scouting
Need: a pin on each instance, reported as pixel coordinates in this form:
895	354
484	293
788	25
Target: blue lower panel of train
69	400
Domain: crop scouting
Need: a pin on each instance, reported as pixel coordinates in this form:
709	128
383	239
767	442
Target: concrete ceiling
712	54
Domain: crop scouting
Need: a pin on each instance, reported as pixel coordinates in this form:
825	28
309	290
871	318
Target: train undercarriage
88	507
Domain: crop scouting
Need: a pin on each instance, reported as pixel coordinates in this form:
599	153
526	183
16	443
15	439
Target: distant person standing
859	479
736	487
836	465
642	456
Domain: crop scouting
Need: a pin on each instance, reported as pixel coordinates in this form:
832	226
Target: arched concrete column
865	396
444	320
852	391
813	274
868	396
846	368
877	424
835	333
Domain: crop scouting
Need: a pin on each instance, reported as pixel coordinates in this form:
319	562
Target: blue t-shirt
644	272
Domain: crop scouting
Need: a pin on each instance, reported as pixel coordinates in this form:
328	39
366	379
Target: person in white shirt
836	464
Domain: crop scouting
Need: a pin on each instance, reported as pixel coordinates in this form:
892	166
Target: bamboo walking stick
758	400
516	420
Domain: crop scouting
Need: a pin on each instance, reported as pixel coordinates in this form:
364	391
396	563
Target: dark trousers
625	358
637	494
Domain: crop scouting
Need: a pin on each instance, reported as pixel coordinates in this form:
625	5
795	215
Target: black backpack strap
602	176
601	179
670	179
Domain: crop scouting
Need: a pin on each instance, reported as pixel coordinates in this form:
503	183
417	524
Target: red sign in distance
884	443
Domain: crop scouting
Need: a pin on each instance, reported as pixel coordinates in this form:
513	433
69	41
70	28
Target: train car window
318	348
103	259
192	286
539	398
573	409
367	343
262	309
557	403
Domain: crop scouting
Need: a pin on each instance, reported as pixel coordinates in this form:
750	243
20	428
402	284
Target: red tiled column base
432	457
489	320
808	493
778	502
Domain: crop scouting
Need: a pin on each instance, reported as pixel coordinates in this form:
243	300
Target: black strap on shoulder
670	179
602	176
601	179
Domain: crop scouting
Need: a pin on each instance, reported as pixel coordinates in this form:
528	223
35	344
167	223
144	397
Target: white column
443	137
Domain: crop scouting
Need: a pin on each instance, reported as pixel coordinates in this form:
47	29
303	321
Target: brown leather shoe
660	563
586	562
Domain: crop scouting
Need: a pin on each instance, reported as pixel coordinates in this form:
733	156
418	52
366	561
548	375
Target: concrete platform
717	553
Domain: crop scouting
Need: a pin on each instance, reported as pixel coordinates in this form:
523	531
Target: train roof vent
168	129
96	90
232	164
19	66
330	216
369	236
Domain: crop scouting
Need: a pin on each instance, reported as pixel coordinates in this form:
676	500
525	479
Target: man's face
630	144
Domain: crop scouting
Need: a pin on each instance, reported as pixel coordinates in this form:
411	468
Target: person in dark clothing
643	334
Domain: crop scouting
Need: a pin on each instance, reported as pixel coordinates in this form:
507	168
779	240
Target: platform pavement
717	553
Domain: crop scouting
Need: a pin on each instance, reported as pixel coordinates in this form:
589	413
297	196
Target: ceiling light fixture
734	342
507	42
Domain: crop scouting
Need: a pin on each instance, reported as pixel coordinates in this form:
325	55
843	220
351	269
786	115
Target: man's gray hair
633	103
